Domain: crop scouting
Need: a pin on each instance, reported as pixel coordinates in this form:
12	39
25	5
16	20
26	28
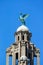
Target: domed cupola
22	28
22	34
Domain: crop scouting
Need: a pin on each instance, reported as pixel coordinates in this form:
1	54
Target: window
18	38
26	51
27	38
16	55
23	37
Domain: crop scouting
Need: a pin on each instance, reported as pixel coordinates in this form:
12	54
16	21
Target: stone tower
23	49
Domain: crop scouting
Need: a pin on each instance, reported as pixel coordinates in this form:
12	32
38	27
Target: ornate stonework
23	49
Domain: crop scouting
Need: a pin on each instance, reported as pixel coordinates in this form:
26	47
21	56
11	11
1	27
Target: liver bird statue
23	17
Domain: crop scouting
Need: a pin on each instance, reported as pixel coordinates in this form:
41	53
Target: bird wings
25	16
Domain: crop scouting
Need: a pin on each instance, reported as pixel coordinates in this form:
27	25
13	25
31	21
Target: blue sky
9	13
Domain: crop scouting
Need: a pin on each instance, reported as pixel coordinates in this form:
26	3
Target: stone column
38	59
19	54
25	37
32	56
7	59
14	59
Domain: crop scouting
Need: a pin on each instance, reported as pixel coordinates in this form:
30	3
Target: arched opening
35	60
26	51
27	37
16	55
10	60
22	37
16	58
18	38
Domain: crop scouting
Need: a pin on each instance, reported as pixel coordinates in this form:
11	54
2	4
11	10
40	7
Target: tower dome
22	33
22	28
